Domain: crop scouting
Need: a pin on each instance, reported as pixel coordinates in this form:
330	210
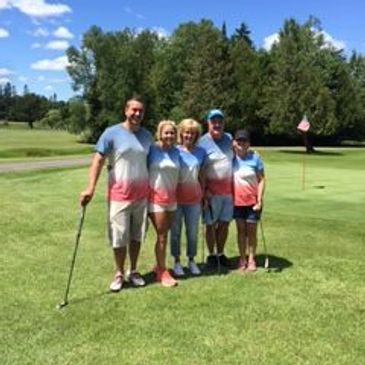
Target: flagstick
303	171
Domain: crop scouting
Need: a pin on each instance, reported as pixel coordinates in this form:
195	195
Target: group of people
180	177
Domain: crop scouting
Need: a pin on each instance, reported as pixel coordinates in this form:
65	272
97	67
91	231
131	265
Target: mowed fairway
309	310
17	141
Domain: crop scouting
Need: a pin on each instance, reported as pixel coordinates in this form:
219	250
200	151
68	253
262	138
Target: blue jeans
191	215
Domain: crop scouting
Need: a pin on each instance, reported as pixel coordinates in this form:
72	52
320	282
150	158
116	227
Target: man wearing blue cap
218	209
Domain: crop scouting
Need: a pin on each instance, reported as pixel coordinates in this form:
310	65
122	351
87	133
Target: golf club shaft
78	235
266	265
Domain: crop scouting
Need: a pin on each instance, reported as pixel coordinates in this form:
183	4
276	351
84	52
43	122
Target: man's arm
94	172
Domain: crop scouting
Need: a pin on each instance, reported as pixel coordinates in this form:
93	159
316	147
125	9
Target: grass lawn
310	310
19	142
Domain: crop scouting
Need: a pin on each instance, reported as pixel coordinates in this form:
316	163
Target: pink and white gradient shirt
245	178
127	162
218	164
189	190
163	166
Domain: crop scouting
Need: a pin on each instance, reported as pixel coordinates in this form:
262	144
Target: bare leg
162	222
221	234
134	249
210	236
241	237
119	258
252	240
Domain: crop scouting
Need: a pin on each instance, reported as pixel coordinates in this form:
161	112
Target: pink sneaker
251	266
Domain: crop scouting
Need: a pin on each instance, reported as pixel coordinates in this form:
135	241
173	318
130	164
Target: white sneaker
178	270
193	267
117	283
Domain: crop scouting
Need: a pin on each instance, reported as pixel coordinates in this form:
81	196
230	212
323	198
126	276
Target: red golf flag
304	125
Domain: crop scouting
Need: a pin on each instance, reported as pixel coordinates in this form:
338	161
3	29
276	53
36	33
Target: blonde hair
163	124
188	124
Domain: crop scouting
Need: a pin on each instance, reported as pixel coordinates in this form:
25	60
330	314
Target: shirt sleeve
105	144
259	164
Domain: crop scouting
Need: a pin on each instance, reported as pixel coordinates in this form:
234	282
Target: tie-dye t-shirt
127	162
189	190
245	178
163	166
218	164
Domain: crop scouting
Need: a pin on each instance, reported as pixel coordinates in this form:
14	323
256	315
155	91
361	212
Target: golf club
267	263
78	235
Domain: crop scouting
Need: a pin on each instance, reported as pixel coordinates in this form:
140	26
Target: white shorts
156	208
126	222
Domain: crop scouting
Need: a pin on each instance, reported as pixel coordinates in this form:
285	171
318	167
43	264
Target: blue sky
35	33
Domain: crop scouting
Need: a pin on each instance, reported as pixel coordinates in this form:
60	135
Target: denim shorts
219	209
246	213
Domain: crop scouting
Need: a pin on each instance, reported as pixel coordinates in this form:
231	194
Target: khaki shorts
126	222
157	208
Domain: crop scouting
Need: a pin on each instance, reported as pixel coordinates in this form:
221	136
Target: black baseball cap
242	134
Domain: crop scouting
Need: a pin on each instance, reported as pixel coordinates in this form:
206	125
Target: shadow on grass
314	153
276	265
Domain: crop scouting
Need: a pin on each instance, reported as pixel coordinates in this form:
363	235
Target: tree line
199	67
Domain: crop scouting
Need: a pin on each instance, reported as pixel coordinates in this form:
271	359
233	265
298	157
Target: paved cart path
41	165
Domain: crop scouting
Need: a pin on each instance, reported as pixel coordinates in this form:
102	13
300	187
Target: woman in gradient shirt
248	192
189	195
163	165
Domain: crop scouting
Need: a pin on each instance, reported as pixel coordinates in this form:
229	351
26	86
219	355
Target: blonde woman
189	195
163	165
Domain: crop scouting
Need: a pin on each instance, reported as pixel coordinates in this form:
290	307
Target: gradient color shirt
189	190
163	166
127	162
218	164
245	178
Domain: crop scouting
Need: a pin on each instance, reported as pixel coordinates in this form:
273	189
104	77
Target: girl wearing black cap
249	185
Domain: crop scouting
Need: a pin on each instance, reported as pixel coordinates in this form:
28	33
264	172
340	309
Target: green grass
312	311
23	143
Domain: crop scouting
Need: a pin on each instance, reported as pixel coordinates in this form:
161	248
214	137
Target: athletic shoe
167	280
224	261
212	262
117	283
136	279
242	265
193	267
178	270
164	277
251	266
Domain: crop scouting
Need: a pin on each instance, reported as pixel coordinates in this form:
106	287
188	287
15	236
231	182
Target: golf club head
62	305
267	263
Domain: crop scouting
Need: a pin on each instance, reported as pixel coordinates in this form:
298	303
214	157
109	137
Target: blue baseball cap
215	113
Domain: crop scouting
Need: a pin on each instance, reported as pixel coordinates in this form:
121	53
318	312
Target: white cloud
40	32
49	89
4	4
63	32
4	33
23	79
161	32
41	78
39	8
36	45
5	72
58	45
129	10
270	40
4	80
57	64
330	41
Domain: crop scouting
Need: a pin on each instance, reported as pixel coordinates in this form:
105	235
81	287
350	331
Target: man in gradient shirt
218	209
126	146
